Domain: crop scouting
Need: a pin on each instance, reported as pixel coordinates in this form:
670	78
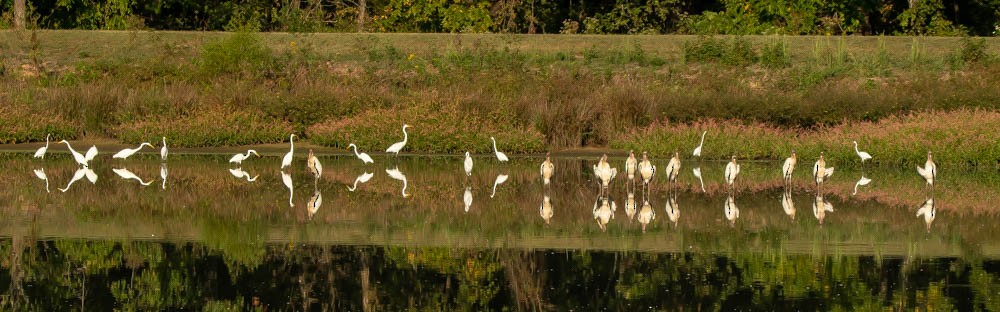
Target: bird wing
829	172
91	175
815	168
923	172
40	152
319	167
40	173
91	153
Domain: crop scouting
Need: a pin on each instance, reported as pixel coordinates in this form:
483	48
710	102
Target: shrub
215	127
973	50
20	124
241	52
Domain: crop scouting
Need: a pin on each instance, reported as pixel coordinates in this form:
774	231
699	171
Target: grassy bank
533	93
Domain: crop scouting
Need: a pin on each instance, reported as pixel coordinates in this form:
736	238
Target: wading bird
547	169
789	167
820	171
363	178
604	172
732	170
40	173
81	159
864	155
697	150
128	175
646	214
238	158
163	150
398	146
313	164
40	153
674	167
362	156
500	156
287	160
646	170
468	165
929	171
125	153
631	164
398	175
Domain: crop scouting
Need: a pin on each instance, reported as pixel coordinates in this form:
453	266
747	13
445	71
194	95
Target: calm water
212	237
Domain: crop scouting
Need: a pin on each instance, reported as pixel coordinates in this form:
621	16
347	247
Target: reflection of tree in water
526	278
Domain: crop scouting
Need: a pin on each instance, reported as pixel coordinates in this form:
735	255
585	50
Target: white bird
697	174
821	207
79	174
789	167
398	146
929	171
238	158
787	204
862	181
500	180
604	172
732	212
646	169
287	180
697	150
314	165
732	170
673	211
546	209
363	156
864	155
125	153
820	170
128	175
604	212
467	198
314	202
547	169
630	206
646	215
468	165
929	211
239	173
500	156
40	173
631	165
398	175
287	160
674	167
40	153
163	150
163	174
82	159
363	178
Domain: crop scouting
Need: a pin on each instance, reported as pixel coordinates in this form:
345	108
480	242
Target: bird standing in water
547	169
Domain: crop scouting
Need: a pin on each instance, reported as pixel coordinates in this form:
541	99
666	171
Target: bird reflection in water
646	214
363	178
163	174
239	173
545	210
398	175
314	202
40	173
128	175
929	211
861	182
732	212
697	174
500	180
287	180
673	211
79	174
467	198
787	204
604	211
630	206
821	207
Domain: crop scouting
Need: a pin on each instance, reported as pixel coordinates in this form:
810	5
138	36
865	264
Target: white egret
673	211
398	146
864	155
820	170
163	150
630	206
362	156
646	214
314	202
500	156
40	153
500	180
287	160
631	165
128	175
287	180
313	164
697	174
929	171
732	212
861	182
697	150
732	170
239	173
929	211
82	159
546	209
238	158
547	169
40	173
467	198
674	167
79	174
468	165
646	169
163	174
363	178
125	153
398	175
787	204
789	167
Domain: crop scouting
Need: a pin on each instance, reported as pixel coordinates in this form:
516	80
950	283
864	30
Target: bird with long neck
929	171
40	153
83	160
674	167
500	156
631	165
646	170
163	150
547	169
287	160
697	150
398	146
788	167
864	155
732	170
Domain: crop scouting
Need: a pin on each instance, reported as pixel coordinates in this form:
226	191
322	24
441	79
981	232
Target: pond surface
401	234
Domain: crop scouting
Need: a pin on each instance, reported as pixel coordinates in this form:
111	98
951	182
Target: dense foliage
921	17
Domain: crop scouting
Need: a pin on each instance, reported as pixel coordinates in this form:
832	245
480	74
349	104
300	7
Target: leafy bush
215	127
737	51
775	55
973	50
20	125
240	52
